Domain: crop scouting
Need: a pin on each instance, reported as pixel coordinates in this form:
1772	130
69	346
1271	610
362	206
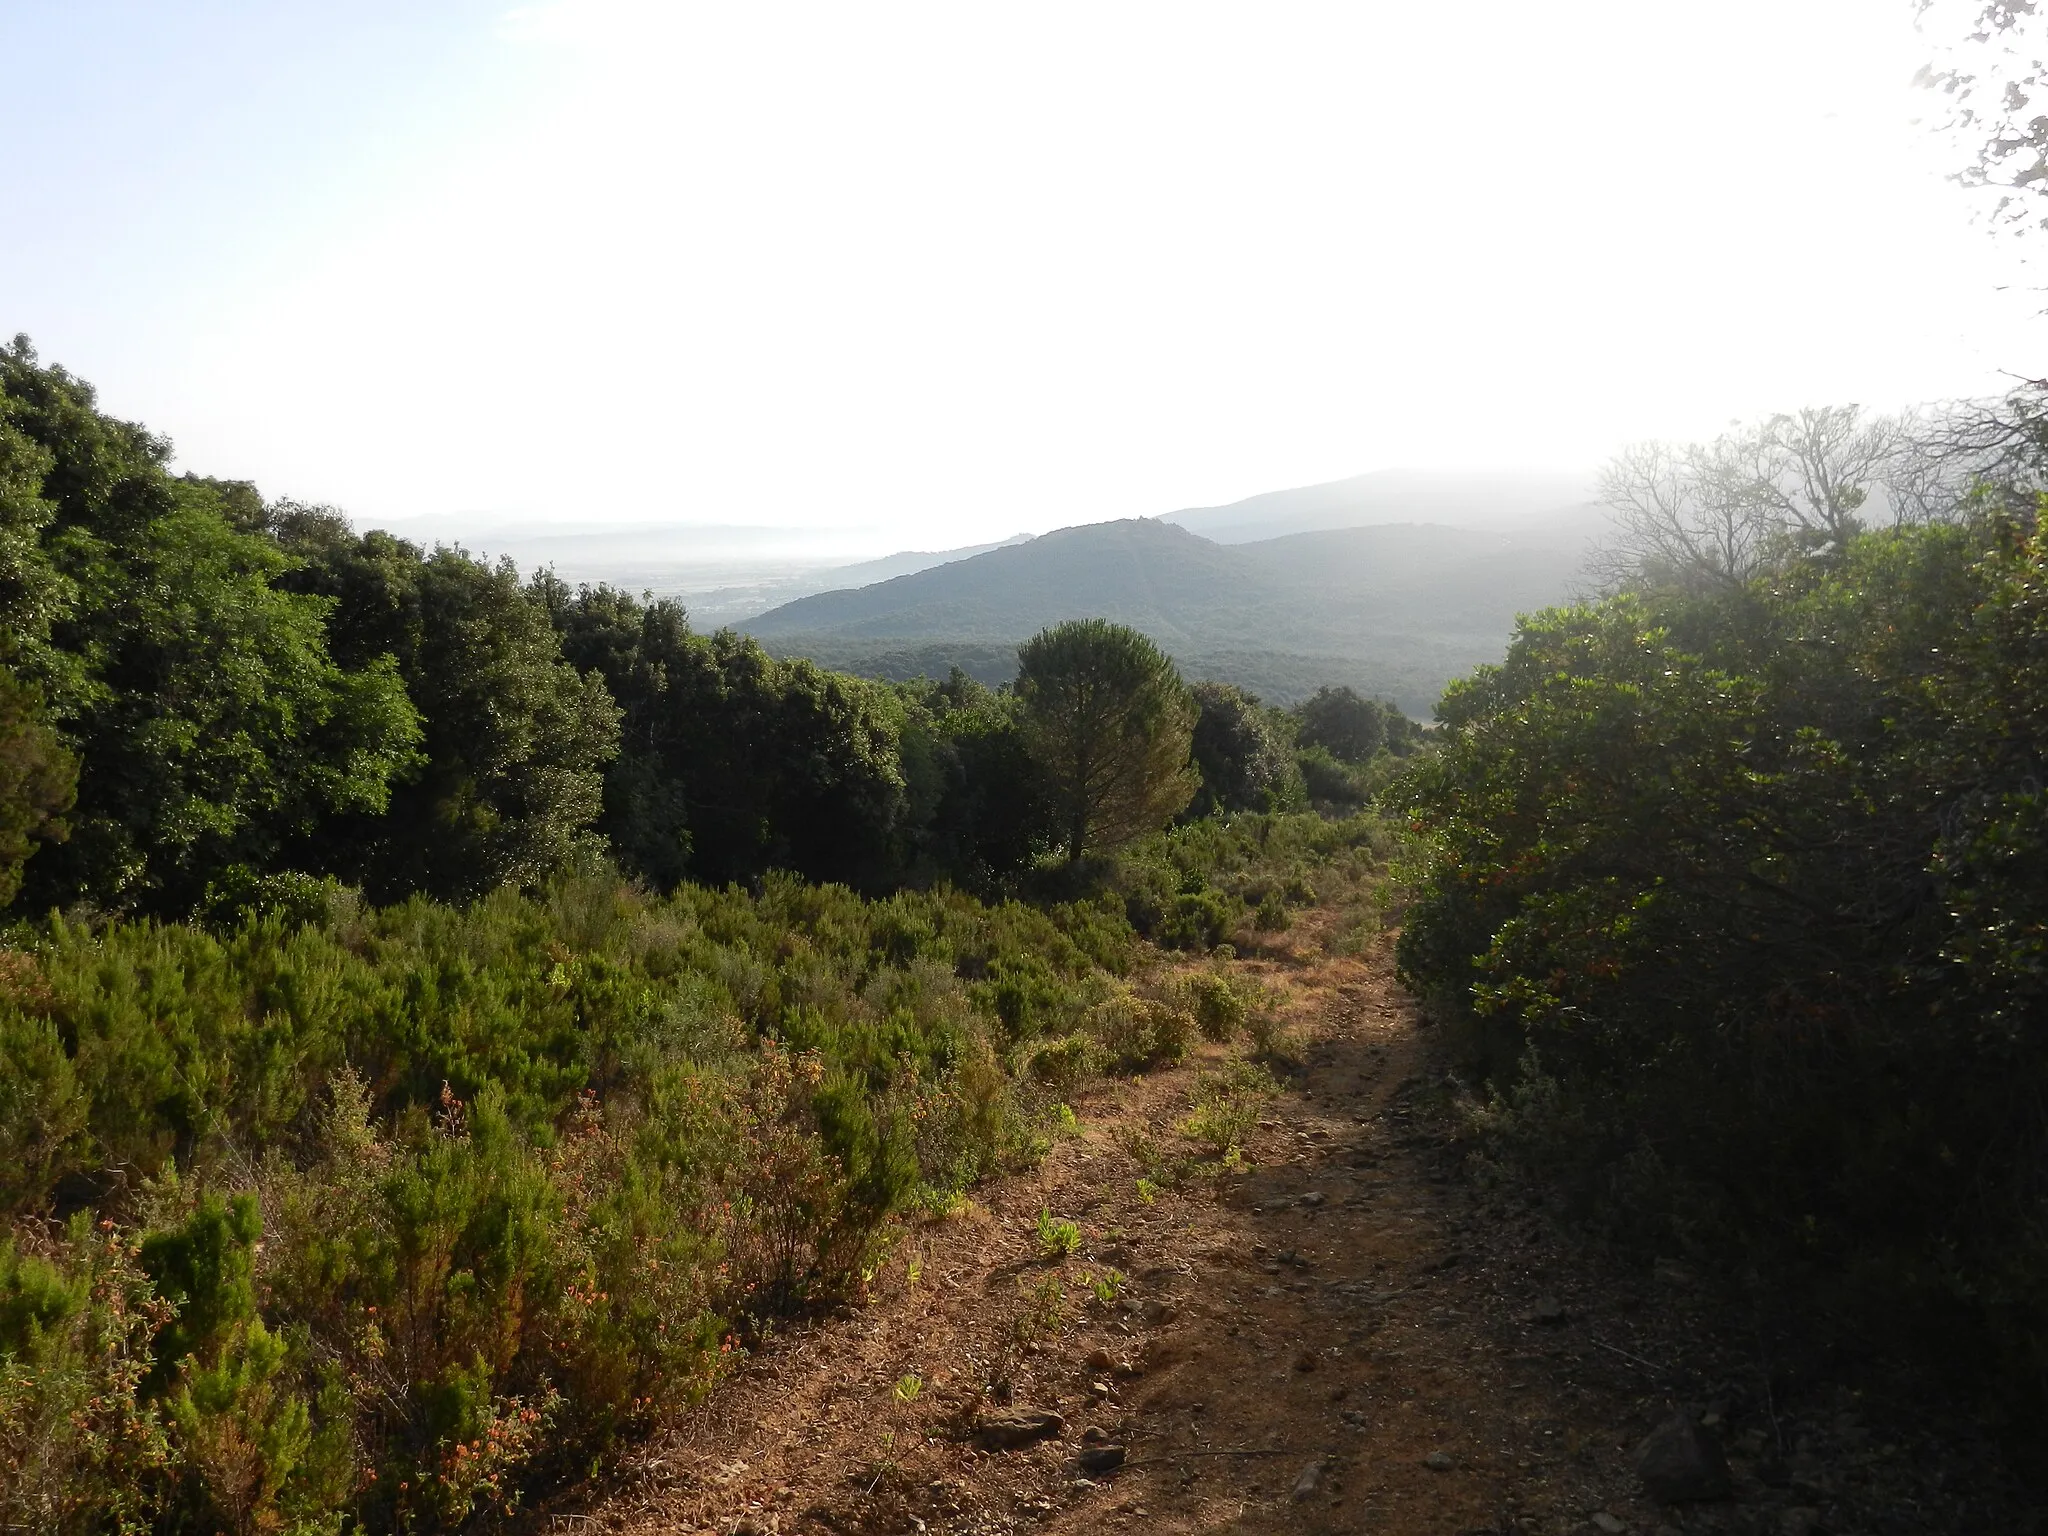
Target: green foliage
1351	729
1136	1032
1331	784
1226	1107
513	738
1057	1237
82	1449
33	596
38	781
1272	916
1108	722
205	1268
980	811
733	762
1107	1286
1188	888
211	725
1240	752
1747	888
1218	1003
450	1201
418	1160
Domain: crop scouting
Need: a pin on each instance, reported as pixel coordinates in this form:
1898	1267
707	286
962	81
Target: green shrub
1329	782
1197	921
582	1139
1218	1003
82	1447
1065	1063
1057	1237
1138	1032
1226	1107
1756	878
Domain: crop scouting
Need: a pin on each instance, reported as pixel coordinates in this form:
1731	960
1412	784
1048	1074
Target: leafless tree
1703	516
1993	79
1708	515
1676	522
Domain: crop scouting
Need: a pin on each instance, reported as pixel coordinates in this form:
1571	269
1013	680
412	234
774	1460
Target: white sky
947	271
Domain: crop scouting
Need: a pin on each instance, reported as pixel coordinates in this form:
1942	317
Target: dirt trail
1339	1338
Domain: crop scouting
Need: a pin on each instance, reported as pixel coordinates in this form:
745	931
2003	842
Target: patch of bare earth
1344	1336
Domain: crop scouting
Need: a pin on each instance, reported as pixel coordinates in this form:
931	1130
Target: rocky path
1344	1336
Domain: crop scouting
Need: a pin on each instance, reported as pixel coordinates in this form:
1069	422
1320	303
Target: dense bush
1353	729
1241	753
1742	895
514	741
411	1209
212	726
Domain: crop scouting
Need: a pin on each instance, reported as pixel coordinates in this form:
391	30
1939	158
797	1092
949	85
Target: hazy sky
953	270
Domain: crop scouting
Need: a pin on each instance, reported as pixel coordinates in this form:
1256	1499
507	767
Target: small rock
1439	1461
1313	1198
1305	1359
1094	1434
1101	1458
1679	1464
1548	1311
1310	1481
1607	1523
1101	1361
1158	1313
1098	1389
1013	1431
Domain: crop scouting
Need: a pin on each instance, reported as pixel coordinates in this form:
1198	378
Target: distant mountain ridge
1138	571
1496	500
1399	609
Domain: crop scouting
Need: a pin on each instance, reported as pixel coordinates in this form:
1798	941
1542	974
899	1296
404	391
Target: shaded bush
1241	753
1739	899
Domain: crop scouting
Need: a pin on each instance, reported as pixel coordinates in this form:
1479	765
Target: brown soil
1347	1335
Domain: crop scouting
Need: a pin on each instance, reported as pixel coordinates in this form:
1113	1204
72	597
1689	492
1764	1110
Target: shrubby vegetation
400	1211
445	1015
1737	885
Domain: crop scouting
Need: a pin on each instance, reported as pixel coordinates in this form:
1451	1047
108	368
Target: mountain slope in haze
1497	500
1400	610
1415	579
1142	572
